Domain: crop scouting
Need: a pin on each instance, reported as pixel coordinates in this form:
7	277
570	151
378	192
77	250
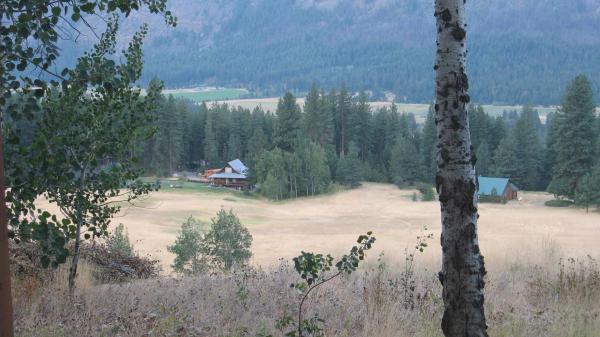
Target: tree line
338	137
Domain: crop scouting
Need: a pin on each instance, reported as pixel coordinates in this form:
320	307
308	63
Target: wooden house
233	175
204	177
501	188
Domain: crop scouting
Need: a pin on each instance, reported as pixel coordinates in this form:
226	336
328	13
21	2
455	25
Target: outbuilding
501	188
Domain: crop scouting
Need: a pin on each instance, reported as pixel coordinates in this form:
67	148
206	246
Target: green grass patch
558	203
193	187
202	95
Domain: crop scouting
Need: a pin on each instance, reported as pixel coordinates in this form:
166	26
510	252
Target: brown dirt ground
331	223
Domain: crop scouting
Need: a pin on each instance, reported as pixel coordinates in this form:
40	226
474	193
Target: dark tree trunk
75	260
463	271
6	313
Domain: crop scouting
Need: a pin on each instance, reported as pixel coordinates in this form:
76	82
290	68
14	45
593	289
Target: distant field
207	94
420	110
235	97
328	223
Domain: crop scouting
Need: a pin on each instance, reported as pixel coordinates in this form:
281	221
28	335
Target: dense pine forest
515	55
338	137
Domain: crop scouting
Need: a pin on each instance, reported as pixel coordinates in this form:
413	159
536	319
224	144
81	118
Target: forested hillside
297	152
520	51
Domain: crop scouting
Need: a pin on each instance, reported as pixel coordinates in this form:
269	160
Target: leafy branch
313	270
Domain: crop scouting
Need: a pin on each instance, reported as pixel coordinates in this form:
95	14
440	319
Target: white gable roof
238	166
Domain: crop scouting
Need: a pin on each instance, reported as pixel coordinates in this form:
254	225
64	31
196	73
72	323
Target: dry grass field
533	287
329	223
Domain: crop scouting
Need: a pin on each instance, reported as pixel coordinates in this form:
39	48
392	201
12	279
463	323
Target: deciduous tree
463	271
79	157
29	34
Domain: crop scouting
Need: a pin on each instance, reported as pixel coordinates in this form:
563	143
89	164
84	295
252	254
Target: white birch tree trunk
463	271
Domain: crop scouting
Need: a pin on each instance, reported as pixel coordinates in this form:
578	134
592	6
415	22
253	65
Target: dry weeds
551	297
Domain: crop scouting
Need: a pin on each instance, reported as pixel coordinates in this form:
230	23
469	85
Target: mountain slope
521	51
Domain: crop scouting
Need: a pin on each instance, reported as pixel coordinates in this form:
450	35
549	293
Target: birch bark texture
463	271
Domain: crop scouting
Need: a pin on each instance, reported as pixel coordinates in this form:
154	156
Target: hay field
532	288
420	110
202	94
330	224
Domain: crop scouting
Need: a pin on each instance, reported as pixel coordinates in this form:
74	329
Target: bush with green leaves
587	192
118	242
316	270
188	259
224	246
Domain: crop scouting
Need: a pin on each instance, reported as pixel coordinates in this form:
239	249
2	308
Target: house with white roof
233	175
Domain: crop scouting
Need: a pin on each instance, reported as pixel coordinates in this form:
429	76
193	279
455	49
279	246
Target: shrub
426	191
112	266
186	248
118	242
558	203
225	245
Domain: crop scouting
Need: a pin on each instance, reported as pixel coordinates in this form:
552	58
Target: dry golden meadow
543	278
329	223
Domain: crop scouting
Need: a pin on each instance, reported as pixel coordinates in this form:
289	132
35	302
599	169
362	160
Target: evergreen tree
429	147
405	166
257	143
234	148
484	159
312	115
211	154
497	133
505	158
361	126
479	125
150	148
574	138
598	140
288	123
528	150
195	152
588	190
325	136
379	158
403	126
349	168
550	153
343	110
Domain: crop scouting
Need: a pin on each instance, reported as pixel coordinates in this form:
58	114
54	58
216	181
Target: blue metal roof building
501	186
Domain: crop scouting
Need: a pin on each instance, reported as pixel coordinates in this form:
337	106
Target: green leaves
75	149
311	266
348	263
313	269
224	246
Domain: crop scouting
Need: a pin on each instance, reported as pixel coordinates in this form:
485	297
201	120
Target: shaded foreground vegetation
552	296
